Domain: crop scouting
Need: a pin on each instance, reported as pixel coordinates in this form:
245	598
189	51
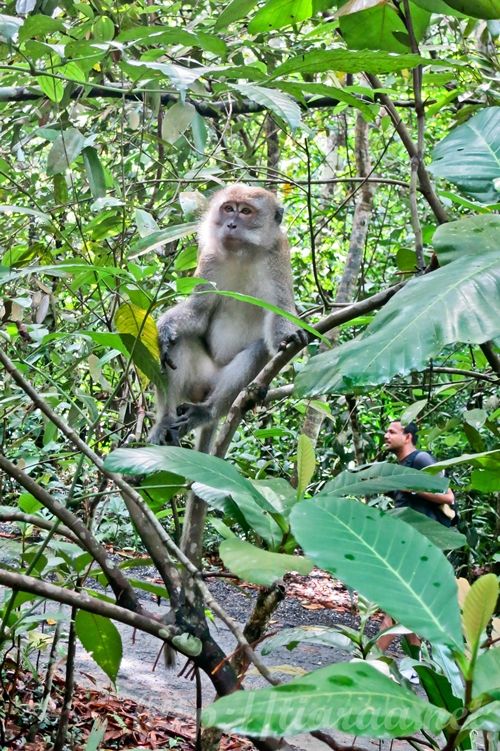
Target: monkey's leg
191	379
227	384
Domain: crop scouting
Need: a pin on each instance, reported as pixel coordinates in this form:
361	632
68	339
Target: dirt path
166	691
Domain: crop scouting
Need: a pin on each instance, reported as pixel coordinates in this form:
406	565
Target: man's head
401	440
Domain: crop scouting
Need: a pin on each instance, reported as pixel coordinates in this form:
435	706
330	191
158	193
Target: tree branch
83	601
37	521
120	585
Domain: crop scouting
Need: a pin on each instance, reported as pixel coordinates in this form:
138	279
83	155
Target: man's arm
422	460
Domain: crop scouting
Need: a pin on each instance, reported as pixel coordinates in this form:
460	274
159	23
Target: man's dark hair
413	430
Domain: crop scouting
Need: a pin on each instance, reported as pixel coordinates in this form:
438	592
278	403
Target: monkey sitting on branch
212	346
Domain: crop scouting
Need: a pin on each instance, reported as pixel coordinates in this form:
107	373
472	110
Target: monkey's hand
299	336
166	340
191	416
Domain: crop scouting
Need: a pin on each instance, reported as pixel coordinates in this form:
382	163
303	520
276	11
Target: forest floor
152	707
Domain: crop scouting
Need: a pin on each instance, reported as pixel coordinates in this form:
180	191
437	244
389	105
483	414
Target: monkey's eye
228	209
246	210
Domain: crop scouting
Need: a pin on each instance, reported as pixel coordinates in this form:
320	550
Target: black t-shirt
418	460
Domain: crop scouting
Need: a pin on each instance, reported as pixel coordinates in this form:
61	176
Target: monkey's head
243	217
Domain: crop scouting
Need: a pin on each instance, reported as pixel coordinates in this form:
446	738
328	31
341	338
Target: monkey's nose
231	225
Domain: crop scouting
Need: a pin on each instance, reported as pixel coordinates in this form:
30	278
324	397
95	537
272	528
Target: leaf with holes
384	559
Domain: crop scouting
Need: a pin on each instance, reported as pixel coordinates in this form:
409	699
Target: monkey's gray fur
213	346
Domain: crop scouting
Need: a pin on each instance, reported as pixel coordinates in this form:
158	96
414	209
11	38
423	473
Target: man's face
394	437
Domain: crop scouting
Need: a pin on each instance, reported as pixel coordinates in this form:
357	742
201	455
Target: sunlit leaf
306	463
259	566
278	102
348	61
479	607
66	148
278	13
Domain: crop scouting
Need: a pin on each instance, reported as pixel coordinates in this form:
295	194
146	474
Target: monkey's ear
278	214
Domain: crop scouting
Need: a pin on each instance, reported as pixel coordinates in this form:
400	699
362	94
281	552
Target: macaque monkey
213	346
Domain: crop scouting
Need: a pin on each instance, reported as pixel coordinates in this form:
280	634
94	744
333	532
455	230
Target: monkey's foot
164	435
298	337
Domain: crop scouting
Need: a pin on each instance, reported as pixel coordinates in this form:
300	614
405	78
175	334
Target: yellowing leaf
139	334
463	591
306	463
130	319
479	607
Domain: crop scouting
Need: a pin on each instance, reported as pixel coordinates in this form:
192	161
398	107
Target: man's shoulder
422	459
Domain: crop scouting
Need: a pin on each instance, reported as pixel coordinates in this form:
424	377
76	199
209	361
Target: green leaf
95	172
384	559
155	239
176	121
438	689
292	637
489	9
258	566
478	608
146	223
470	156
52	87
278	13
382	477
352	697
457	303
101	639
202	468
236	10
466	237
485	718
319	61
281	104
9	27
96	735
66	148
486	679
306	463
486	459
379	26
484	481
444	538
39	26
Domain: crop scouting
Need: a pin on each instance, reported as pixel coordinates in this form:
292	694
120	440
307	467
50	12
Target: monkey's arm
285	332
188	318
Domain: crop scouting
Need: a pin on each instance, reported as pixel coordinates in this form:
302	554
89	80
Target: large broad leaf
233	12
101	639
378	26
384	559
259	566
205	469
470	156
487	674
278	13
319	61
485	460
352	697
323	635
383	477
458	303
489	9
444	538
485	718
470	236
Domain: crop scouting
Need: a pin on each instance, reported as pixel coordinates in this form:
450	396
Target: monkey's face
247	221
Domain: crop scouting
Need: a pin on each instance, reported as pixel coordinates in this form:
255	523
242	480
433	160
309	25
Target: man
402	442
